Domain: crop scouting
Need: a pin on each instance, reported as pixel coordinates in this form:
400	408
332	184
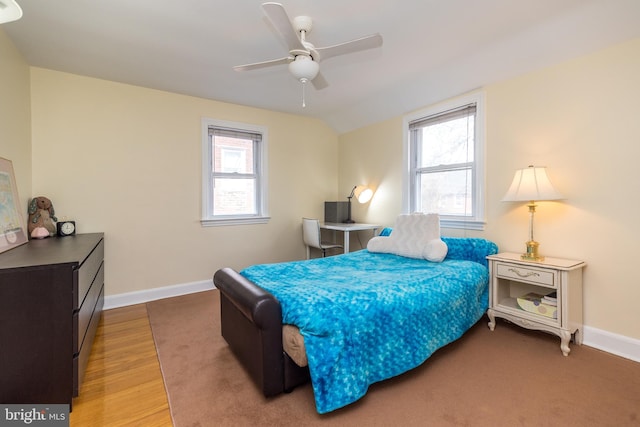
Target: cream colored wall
15	116
126	160
581	119
365	158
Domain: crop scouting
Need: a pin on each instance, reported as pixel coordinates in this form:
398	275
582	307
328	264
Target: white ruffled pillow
414	236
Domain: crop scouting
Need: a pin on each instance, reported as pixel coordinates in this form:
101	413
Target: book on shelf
550	299
533	303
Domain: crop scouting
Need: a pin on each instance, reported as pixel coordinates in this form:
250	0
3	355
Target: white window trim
478	222
207	201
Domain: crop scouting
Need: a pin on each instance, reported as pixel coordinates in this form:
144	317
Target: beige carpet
509	377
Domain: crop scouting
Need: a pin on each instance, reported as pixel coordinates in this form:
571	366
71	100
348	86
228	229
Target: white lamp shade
9	11
531	184
362	193
303	67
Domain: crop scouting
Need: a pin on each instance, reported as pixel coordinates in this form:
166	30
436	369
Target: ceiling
433	49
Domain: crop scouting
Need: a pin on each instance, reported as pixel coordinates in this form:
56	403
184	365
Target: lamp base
348	221
532	252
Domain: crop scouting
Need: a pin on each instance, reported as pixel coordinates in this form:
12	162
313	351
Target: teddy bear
42	218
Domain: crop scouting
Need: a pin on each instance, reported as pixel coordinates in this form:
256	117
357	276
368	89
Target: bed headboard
470	248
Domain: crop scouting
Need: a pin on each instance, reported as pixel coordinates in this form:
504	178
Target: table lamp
362	195
531	184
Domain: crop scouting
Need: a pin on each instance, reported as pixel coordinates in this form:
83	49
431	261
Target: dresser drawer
86	310
81	358
87	273
527	274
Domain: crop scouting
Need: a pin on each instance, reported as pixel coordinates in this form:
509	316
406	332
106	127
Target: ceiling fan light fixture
303	57
9	11
303	67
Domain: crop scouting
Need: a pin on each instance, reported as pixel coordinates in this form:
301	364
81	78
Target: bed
364	316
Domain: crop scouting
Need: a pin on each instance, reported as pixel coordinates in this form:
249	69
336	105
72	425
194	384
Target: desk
347	228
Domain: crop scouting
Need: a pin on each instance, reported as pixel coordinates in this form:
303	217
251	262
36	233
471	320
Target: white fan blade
263	64
319	82
279	18
363	43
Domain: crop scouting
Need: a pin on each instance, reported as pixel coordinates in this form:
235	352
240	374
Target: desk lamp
531	184
362	195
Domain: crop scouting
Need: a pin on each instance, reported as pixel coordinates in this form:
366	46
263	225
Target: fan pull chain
304	83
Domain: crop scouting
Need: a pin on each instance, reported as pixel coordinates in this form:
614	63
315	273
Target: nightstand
513	278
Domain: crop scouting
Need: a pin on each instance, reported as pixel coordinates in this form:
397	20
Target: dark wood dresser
51	298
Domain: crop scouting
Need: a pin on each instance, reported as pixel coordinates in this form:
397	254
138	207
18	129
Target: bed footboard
251	320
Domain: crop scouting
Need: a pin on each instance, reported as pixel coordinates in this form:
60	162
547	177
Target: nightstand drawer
527	274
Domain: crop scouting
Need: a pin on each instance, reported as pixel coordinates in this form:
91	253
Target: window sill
208	222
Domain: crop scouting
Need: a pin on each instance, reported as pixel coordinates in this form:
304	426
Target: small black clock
66	228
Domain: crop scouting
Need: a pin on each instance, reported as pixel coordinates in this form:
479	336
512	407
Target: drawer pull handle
529	273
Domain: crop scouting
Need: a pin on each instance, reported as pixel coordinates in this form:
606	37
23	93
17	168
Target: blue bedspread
366	317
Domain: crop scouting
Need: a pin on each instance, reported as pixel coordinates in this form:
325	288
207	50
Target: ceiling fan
304	58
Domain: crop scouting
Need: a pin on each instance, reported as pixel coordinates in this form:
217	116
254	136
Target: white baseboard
139	297
619	345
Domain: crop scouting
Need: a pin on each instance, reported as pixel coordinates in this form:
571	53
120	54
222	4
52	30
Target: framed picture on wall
13	231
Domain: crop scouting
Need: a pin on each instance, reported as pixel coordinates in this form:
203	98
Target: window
233	173
445	163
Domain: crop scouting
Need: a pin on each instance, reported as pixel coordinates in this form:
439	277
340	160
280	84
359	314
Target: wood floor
123	384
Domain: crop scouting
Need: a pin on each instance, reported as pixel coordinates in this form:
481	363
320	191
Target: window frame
260	165
477	219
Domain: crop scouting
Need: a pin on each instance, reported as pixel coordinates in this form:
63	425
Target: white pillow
415	236
412	232
382	244
435	250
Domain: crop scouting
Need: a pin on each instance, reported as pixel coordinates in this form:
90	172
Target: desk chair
311	237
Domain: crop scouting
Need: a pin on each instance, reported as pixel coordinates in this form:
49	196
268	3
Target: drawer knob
527	274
